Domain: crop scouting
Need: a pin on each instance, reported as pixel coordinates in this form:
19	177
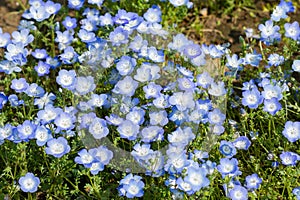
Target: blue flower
238	193
159	118
64	121
182	100
106	20
75	4
128	130
153	14
279	13
85	158
69	56
227	149
24	37
292	131
9	67
269	32
118	36
86	36
296	191
275	59
216	117
272	106
126	65
29	182
84	85
42	135
192	50
253	59
52	8
196	177
242	142
14	100
98	100
4	39
156	55
131	186
126	87
234	63
98	128
3	100
19	85
69	23
152	90
42	68
252	98
292	30
46	99
271	91
253	182
39	53
217	89
204	80
102	154
228	166
152	133
136	115
57	147
6	131
295	65
289	158
66	79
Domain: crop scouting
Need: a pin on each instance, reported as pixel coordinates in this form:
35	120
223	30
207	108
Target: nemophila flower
4	39
42	68
228	166
118	36
13	100
275	59
3	100
253	182
96	2
272	91
152	90
159	118
204	80
292	131
26	24
64	121
86	36
46	99
69	56
42	135
196	177
51	7
186	84
252	98
162	101
216	117
178	116
296	191
53	62
33	90
217	89
141	151
176	162
131	186
26	130
292	30
177	3
269	32
128	130
242	142
238	193
22	36
66	79
57	147
29	182
39	53
215	51
19	85
289	158
64	38
227	149
126	65
102	154
295	65
98	100
279	13
6	131
69	23
9	67
126	86
234	62
153	14
136	115
272	106
106	20
182	100
98	128
75	4
152	133
253	59
192	51
85	158
181	137
16	53
156	55
184	186
179	41
84	85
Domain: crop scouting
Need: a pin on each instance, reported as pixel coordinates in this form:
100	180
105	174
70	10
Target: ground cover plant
107	100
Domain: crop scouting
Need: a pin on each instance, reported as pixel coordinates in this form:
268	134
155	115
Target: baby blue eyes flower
152	90
279	13
292	30
66	79
253	59
275	60
118	36
238	193
126	65
84	85
153	14
252	98
4	39
242	142
69	23
289	158
42	68
126	87
23	37
272	106
292	131
75	4
19	85
42	135
57	147
64	121
85	158
131	186
9	67
295	65
216	117
98	128
253	181
52	8
3	100
96	2
228	166
39	53
29	183
86	36
269	32
227	149
296	191
128	130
